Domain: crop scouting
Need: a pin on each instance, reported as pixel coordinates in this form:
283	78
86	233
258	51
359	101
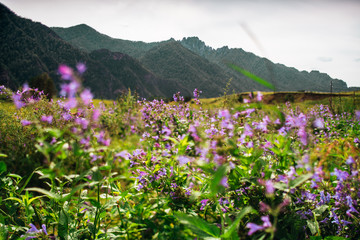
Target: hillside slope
28	49
284	78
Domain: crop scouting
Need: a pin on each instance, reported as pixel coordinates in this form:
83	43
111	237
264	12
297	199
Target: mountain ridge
158	69
283	77
28	49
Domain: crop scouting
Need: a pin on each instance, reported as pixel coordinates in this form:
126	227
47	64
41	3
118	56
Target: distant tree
44	83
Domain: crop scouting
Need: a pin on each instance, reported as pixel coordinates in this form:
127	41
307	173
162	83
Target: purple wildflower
203	203
357	115
259	96
47	119
25	122
303	135
81	68
341	175
350	160
86	96
224	182
96	115
17	101
254	228
183	160
196	93
266	221
269	187
319	123
65	72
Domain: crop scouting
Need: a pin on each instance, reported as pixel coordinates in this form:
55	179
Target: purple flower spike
319	123
266	221
183	160
253	228
350	160
81	67
47	119
66	72
224	182
86	96
269	187
44	229
357	115
17	101
25	122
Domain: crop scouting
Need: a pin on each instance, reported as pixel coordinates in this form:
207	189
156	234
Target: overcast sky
309	35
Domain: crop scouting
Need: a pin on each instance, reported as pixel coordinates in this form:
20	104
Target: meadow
78	168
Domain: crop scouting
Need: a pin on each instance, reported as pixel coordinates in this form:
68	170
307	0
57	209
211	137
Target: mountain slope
88	39
28	49
172	61
284	78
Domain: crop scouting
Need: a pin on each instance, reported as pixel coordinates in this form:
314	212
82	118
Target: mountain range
157	69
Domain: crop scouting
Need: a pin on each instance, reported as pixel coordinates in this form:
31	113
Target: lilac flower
266	221
85	141
350	160
224	182
34	231
83	122
65	72
357	115
25	122
303	135
70	103
259	96
269	187
341	175
254	228
248	112
96	115
175	97
17	101
66	116
319	123
123	154
196	93
224	114
183	160
203	203
81	68
86	96
246	100
47	119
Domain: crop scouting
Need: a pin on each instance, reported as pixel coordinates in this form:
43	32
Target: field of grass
77	168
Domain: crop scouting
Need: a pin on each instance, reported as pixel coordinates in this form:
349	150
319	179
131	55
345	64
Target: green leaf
198	225
215	181
50	195
319	210
312	226
300	180
315	238
3	167
234	226
335	238
27	181
252	76
63	225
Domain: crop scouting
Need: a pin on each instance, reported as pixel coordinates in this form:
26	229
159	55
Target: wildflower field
76	168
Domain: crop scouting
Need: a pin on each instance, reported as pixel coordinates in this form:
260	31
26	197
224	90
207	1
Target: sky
322	35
